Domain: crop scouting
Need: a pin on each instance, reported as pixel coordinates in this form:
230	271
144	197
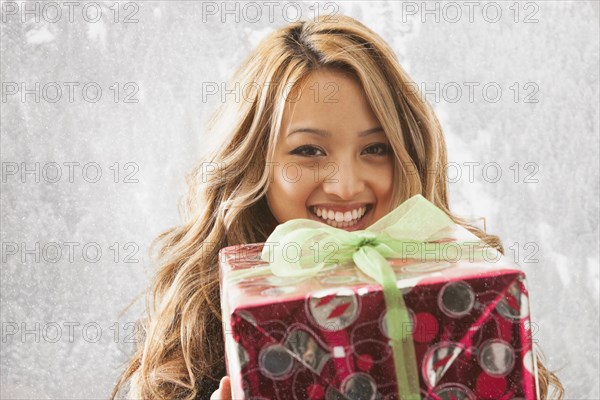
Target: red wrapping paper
324	337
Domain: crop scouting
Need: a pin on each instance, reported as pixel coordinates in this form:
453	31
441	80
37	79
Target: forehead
328	100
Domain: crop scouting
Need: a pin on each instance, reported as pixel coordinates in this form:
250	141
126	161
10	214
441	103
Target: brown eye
307	151
378	149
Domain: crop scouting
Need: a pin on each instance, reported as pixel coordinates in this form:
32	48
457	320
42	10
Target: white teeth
347	216
339	219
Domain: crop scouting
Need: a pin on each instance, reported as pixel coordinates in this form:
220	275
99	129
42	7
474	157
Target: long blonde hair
181	353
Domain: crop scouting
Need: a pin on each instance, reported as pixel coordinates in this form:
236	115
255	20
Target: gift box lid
262	289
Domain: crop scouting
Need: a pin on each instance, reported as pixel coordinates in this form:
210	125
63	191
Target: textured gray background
550	225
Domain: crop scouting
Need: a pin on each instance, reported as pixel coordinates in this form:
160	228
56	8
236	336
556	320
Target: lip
362	224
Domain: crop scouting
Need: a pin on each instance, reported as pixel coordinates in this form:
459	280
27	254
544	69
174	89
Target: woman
247	192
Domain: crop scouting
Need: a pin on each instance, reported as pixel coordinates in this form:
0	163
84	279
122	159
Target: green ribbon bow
302	248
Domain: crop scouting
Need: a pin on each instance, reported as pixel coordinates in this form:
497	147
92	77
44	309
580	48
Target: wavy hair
180	352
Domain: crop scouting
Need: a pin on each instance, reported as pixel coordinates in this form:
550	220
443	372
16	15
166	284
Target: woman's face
333	162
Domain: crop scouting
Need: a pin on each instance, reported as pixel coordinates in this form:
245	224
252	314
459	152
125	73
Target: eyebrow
325	133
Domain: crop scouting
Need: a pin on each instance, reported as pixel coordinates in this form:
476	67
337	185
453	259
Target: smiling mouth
342	220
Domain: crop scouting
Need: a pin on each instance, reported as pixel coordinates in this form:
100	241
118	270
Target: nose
343	179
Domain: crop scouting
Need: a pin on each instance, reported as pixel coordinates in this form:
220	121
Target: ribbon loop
366	238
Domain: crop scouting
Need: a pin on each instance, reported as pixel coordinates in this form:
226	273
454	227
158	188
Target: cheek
289	191
294	183
383	189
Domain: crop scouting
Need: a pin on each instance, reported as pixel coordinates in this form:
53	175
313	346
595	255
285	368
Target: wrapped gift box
324	337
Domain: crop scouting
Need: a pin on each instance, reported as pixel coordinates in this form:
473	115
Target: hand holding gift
224	391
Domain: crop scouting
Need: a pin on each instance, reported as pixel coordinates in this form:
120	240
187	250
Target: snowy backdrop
102	113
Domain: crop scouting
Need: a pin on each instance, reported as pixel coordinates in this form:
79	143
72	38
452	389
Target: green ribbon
301	248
